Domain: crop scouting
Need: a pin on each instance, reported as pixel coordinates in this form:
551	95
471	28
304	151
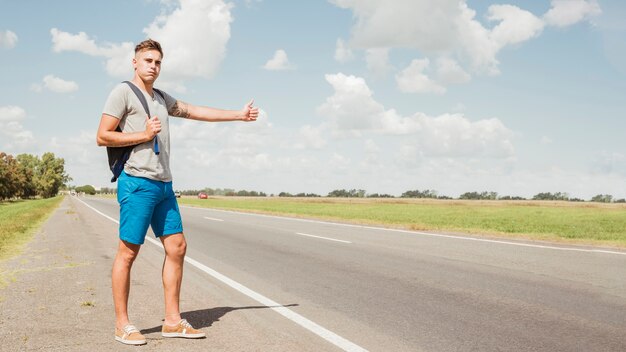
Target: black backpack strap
140	96
159	93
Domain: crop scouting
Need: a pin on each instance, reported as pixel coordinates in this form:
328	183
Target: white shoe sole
180	334
130	342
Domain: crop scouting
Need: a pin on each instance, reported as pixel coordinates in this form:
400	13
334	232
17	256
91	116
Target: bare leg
120	280
175	249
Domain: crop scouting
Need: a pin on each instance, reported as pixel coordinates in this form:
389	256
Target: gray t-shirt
124	105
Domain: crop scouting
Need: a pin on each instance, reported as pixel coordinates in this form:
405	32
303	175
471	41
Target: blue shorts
145	202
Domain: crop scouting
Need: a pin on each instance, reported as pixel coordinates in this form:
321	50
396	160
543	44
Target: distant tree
621	200
602	198
550	196
27	175
339	193
481	196
358	193
376	195
10	180
285	194
307	195
353	193
29	164
87	189
244	193
512	198
106	190
419	194
470	195
50	175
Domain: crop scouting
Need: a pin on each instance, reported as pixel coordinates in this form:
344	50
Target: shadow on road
204	318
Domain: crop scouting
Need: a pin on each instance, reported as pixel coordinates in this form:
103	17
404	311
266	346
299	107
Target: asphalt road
356	287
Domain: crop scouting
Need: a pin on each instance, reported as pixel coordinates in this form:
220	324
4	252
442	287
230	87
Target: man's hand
249	113
153	126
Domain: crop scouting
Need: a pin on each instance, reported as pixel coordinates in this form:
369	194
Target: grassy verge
19	220
588	223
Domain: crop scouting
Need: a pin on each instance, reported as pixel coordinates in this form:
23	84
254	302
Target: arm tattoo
180	109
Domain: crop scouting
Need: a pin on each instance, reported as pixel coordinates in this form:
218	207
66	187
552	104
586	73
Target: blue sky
515	97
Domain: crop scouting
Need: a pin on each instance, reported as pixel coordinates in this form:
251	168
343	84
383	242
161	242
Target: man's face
147	64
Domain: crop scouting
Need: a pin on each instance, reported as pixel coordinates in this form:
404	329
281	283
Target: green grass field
19	220
582	223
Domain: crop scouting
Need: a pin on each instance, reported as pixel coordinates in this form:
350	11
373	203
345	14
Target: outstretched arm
205	113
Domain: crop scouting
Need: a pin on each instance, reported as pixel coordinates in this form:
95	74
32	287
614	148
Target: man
144	189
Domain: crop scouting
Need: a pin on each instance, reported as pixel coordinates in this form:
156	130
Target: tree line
28	176
361	193
432	194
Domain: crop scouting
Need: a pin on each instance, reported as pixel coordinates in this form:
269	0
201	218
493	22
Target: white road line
322	332
214	219
603	251
325	238
97	211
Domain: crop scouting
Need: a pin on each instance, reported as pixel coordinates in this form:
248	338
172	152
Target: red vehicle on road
202	195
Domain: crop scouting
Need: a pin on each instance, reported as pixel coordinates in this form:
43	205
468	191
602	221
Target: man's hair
149	44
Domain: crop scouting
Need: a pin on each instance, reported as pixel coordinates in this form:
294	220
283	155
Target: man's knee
175	245
127	252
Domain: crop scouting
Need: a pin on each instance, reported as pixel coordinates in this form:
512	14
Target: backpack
119	155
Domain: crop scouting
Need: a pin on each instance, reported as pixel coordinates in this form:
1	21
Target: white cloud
8	39
545	140
311	137
56	84
515	25
564	13
11	113
278	62
449	72
352	107
352	110
343	53
15	138
118	56
413	80
372	159
378	61
453	135
371	147
193	37
609	163
446	27
63	41
406	23
339	163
